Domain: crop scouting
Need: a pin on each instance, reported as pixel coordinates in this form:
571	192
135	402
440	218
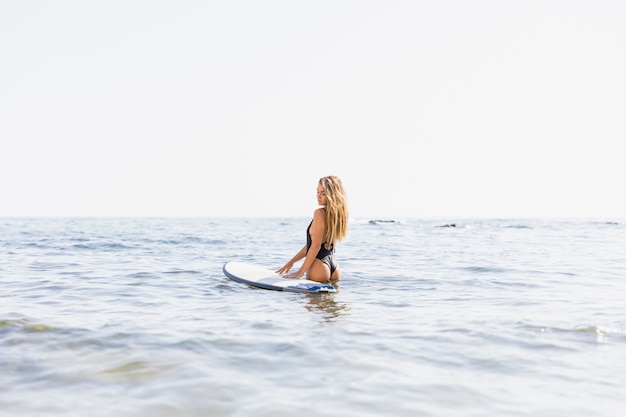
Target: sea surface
134	317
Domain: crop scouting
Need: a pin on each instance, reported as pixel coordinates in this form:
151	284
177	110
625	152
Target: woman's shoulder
319	212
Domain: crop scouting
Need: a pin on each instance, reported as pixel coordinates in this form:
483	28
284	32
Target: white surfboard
260	277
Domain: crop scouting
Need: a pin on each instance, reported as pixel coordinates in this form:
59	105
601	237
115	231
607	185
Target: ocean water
133	317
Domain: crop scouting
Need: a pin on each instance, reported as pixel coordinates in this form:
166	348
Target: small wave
484	269
81	246
599	333
101	246
382	222
448	225
182	272
517	226
142	275
614	223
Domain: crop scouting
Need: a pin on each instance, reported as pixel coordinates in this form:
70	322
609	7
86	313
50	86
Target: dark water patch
82	246
484	269
448	225
39	245
610	223
47	266
143	275
182	242
517	226
183	272
102	246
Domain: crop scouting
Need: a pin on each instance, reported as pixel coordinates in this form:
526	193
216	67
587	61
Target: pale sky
237	108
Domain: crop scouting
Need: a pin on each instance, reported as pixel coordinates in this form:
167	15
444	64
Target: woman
329	225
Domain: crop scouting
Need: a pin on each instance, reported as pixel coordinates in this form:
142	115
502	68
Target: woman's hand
297	274
285	268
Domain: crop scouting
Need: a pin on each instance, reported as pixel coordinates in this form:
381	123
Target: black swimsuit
324	255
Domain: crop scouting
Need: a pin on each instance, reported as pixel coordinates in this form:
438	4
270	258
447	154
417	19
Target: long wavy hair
336	210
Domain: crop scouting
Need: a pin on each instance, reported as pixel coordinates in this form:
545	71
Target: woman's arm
317	234
301	254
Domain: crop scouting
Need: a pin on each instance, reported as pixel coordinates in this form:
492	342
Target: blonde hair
336	210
